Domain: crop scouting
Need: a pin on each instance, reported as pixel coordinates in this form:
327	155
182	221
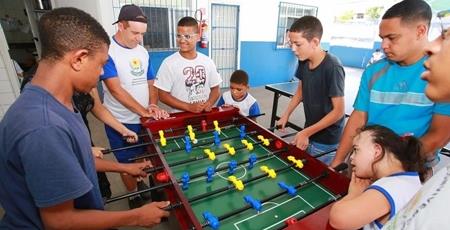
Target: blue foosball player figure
216	138
212	221
232	167
188	145
242	132
209	174
185	181
256	204
251	161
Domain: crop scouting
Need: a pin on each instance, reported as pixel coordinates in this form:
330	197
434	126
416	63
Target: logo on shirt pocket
136	67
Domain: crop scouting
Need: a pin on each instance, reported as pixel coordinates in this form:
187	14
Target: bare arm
132	169
153	92
153	108
213	96
124	97
438	135
357	120
65	216
103	114
332	117
173	102
295	100
355	212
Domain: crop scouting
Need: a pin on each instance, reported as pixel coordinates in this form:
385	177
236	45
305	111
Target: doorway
19	22
224	39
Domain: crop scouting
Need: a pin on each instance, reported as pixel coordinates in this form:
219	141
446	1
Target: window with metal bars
163	16
287	14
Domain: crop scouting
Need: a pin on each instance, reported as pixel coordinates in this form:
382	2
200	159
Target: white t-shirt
247	107
429	208
133	68
398	189
187	80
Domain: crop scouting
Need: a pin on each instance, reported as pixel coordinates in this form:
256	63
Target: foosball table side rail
184	214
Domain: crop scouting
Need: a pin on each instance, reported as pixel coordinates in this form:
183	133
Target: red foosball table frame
334	182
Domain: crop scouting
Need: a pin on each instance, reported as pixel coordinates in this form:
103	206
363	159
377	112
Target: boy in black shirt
321	89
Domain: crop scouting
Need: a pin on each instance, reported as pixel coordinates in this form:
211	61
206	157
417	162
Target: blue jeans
316	148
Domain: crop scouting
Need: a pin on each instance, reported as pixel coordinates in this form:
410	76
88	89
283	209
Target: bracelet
429	163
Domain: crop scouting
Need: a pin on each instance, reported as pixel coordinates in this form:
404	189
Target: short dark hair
188	22
66	29
405	148
239	77
410	11
310	26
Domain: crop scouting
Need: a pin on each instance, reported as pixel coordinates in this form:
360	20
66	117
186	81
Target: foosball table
221	170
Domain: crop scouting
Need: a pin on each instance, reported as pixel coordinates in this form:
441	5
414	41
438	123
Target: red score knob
204	124
278	144
291	221
162	177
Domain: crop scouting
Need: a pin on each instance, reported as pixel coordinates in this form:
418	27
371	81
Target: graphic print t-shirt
189	81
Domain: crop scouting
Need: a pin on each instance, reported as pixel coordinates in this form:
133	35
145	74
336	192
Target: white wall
101	10
106	16
258	19
88	6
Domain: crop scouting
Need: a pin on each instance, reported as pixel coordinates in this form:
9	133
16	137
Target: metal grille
224	39
163	16
288	13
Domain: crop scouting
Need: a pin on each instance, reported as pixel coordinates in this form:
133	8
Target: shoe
135	202
145	195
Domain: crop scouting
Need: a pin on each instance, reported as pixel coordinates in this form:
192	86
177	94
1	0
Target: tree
346	16
374	12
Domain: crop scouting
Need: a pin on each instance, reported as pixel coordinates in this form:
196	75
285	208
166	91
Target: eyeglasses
443	31
185	36
289	44
440	15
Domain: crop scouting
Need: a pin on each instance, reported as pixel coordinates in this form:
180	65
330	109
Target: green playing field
273	213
